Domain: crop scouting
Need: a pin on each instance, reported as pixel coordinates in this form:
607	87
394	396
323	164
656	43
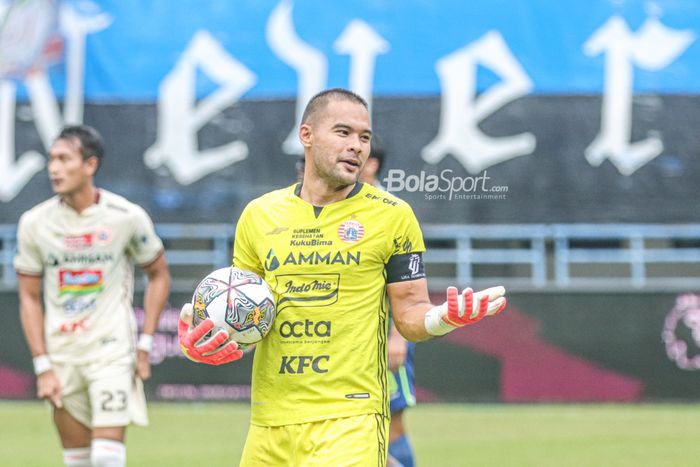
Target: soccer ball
236	300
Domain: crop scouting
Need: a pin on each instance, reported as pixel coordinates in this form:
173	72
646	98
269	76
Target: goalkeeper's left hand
462	310
216	350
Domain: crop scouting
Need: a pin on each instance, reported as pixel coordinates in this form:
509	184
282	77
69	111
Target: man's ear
92	164
305	135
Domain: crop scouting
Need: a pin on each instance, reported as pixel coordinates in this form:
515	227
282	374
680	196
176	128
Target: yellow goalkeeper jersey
326	355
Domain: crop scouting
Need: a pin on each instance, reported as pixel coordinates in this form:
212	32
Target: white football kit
87	264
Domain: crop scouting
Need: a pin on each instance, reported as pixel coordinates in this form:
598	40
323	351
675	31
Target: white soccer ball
236	300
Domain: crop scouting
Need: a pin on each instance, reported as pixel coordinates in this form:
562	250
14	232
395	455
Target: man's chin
347	181
59	190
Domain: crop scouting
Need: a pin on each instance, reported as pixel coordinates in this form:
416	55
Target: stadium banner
489	111
546	347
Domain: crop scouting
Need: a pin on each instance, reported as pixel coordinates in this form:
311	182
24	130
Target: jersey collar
317	209
355	190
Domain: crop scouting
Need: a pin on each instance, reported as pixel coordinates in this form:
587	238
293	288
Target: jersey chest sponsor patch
80	282
77	242
101	236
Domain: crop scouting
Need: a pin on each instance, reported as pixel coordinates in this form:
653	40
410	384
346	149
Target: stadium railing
541	257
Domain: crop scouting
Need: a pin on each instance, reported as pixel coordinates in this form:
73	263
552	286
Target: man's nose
354	144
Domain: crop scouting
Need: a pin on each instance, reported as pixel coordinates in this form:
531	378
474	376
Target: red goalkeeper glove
214	350
462	310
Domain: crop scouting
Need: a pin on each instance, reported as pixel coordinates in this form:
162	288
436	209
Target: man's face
340	142
68	172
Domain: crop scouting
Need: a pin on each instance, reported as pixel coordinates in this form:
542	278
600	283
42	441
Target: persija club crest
351	231
103	235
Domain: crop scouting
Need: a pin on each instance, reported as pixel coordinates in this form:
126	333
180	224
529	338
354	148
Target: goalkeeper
332	249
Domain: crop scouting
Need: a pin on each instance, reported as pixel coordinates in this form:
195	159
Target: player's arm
417	319
397	348
31	312
154	301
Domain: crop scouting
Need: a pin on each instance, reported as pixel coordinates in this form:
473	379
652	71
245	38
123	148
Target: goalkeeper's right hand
215	350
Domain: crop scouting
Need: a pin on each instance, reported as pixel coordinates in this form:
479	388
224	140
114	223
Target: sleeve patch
405	267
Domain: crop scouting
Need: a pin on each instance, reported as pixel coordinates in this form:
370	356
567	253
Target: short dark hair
91	143
320	100
377	152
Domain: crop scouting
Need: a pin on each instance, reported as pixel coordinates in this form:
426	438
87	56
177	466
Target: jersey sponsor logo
277	230
79	282
304	290
55	260
300	258
402	245
311	242
271	261
73	326
351	231
314	285
102	236
309	237
300	364
384	199
77	305
77	242
306	328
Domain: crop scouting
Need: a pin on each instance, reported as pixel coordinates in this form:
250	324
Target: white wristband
42	364
145	343
434	324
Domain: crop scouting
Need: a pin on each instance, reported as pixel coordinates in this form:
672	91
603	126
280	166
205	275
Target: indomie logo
314	285
297	364
79	282
316	257
306	328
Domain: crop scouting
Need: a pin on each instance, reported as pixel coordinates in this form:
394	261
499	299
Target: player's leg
112	398
75	439
399	445
391	462
403	395
107	447
72	421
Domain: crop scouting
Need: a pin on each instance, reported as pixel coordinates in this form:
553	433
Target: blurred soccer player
332	248
400	351
80	247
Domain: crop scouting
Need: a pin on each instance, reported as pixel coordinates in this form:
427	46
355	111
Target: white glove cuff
434	324
145	343
42	364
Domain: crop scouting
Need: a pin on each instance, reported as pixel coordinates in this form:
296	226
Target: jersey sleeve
405	261
28	258
244	254
144	245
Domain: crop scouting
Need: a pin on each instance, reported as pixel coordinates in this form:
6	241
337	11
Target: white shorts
103	394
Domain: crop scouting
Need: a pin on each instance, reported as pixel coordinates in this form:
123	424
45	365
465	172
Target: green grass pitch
501	435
